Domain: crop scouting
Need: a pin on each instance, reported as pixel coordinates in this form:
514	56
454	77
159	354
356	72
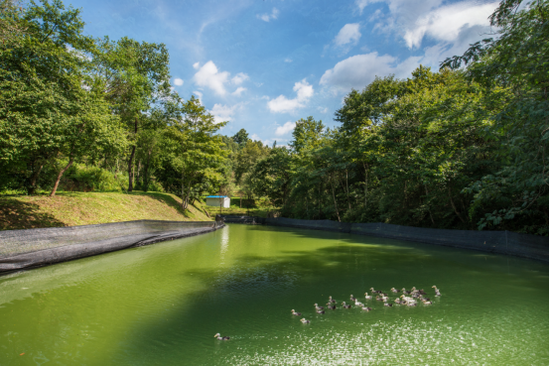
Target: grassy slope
85	208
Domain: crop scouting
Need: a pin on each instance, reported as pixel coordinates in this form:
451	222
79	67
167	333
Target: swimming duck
317	307
331	307
394	290
375	291
331	300
219	337
305	321
295	313
366	308
346	306
367	296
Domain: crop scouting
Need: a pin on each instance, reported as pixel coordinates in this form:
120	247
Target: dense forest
464	147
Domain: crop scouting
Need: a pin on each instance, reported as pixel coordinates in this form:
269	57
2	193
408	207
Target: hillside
85	208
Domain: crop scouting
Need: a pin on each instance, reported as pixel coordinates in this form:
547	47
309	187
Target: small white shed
224	201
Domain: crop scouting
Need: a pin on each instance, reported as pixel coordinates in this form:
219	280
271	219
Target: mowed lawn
86	208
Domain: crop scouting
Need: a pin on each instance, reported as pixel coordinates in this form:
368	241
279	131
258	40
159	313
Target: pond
162	304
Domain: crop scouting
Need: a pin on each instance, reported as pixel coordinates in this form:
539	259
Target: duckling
437	293
405	291
384	298
411	304
394	290
305	321
425	298
331	307
397	301
346	306
352	298
295	313
366	308
421	292
367	296
375	291
388	305
320	311
378	298
219	337
331	300
357	303
426	302
317	307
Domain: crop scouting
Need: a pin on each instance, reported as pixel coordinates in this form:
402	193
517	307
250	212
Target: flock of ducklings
404	299
408	298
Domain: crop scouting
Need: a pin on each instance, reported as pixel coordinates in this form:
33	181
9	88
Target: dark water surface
162	304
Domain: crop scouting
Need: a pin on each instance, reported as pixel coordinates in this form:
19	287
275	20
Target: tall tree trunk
334	199
131	160
34	177
146	177
71	160
453	204
131	170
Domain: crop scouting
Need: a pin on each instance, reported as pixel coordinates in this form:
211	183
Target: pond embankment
501	242
21	249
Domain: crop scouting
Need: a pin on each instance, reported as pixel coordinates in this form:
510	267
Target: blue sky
263	64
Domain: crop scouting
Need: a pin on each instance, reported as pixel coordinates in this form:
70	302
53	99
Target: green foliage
85	178
241	137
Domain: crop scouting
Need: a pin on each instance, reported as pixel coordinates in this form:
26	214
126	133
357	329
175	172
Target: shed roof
216	197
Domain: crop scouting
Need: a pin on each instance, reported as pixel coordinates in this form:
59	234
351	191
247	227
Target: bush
85	178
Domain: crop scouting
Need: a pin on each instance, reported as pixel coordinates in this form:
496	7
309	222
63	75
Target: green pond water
162	304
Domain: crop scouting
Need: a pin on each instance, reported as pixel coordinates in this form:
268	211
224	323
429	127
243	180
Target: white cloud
284	129
414	20
288	60
267	17
198	94
209	76
239	78
360	70
222	113
282	104
322	110
255	137
445	23
348	34
178	82
239	91
196	65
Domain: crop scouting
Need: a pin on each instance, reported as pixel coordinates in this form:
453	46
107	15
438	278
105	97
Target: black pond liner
21	249
501	242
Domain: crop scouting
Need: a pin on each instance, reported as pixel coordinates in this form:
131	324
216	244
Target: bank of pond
163	303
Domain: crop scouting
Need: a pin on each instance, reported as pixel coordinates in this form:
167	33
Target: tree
192	156
136	78
241	137
44	87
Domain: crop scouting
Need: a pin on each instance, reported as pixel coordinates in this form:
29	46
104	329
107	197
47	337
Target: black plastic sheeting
20	249
502	242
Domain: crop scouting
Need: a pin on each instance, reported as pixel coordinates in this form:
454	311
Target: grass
86	208
236	210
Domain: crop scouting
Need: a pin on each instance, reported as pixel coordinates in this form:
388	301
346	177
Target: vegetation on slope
86	208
